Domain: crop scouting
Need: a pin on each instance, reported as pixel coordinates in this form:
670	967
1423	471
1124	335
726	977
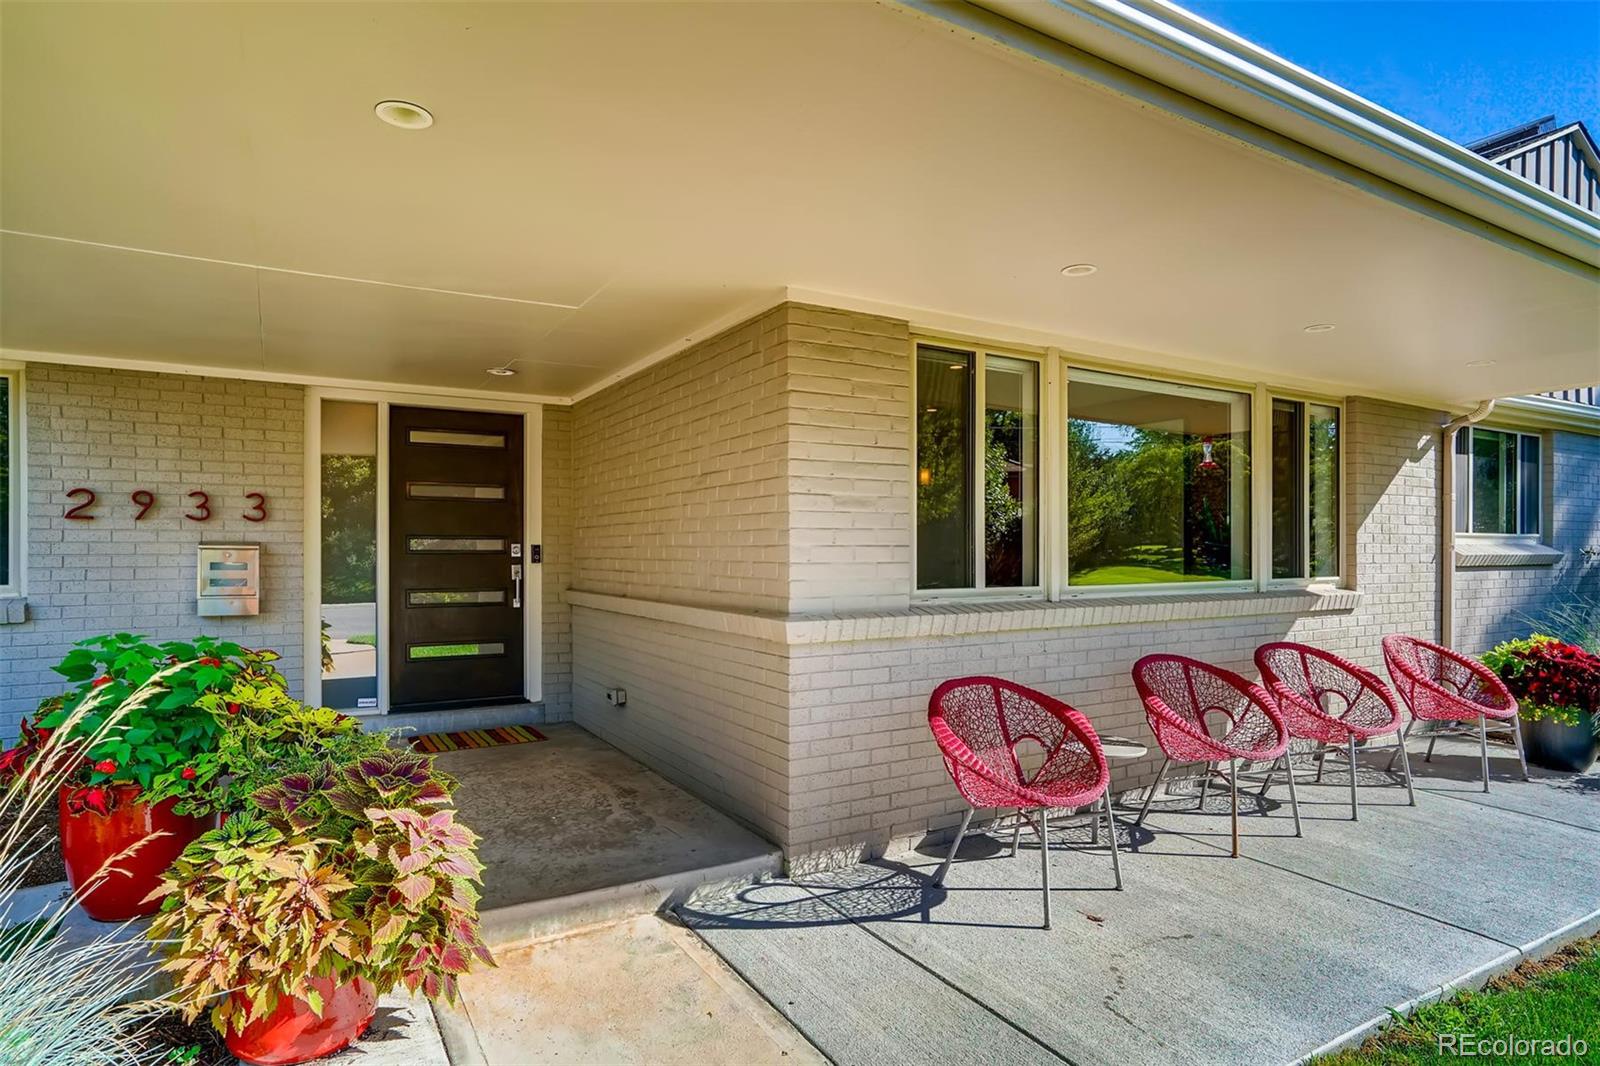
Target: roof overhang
607	183
1174	48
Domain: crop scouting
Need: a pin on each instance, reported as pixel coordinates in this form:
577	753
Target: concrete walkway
1298	946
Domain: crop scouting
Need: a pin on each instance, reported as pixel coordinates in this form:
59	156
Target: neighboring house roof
1563	159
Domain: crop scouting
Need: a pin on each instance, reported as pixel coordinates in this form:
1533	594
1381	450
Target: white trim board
435	393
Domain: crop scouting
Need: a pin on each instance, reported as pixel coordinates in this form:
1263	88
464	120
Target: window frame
1055	366
1337	578
1046	505
17	483
1068	591
1463	486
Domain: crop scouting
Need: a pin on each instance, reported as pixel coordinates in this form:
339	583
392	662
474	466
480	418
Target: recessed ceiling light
403	113
1321	327
1078	270
1481	362
501	371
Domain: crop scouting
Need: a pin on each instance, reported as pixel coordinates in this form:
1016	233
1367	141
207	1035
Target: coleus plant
251	914
167	746
382	877
267	734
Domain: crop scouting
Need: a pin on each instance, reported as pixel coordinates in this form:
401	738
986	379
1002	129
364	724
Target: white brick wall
706	710
849	505
682	476
1496	603
557	489
690	489
116	431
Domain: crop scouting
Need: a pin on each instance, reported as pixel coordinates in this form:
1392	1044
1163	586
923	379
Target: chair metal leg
1266	782
1016	833
1294	801
944	867
1111	831
1322	757
1233	791
1483	747
1355	811
1151	794
1094	828
1044	859
1516	733
1406	732
1405	765
1205	787
1433	738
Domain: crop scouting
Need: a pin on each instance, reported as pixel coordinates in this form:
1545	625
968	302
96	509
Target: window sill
1494	554
929	620
13	610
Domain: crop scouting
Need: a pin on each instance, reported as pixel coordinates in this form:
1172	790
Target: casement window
1158	482
1498	482
1305	489
977	454
1035	476
10	482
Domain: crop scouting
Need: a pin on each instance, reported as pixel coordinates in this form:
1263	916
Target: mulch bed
171	1041
45	867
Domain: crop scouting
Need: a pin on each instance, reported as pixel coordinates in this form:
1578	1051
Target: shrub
341	870
1549	678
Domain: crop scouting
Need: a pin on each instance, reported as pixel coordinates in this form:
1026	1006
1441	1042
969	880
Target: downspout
1447	519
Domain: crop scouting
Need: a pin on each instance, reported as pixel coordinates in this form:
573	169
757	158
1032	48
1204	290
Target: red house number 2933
197	509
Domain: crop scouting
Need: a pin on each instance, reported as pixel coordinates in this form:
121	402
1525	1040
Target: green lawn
370	639
1143	564
1547	1000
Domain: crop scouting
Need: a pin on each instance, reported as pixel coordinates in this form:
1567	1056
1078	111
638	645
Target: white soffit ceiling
604	180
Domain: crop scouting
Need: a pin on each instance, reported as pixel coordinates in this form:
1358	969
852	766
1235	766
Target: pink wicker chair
978	722
1182	699
1334	702
1452	691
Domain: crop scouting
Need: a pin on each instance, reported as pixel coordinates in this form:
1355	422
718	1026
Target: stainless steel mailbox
228	579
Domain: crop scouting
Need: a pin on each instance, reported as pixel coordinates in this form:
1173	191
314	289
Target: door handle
516	585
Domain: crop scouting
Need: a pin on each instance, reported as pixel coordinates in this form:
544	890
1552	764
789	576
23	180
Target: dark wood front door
455	558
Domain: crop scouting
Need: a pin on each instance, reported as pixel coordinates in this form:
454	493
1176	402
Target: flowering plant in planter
1550	679
167	746
345	872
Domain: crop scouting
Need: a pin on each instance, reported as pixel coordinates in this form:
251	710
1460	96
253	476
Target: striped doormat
476	738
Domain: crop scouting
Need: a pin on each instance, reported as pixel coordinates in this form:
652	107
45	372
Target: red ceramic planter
90	841
291	1033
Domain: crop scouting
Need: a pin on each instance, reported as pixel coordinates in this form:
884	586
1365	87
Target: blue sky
1462	69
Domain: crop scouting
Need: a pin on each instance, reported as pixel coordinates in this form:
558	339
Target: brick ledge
13	610
965	619
1492	555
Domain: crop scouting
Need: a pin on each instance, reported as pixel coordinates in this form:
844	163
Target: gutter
1547	412
1155	41
1447	518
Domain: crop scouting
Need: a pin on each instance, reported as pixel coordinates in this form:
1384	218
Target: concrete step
518	923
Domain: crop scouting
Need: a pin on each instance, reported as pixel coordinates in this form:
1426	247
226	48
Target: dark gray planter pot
1554	746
